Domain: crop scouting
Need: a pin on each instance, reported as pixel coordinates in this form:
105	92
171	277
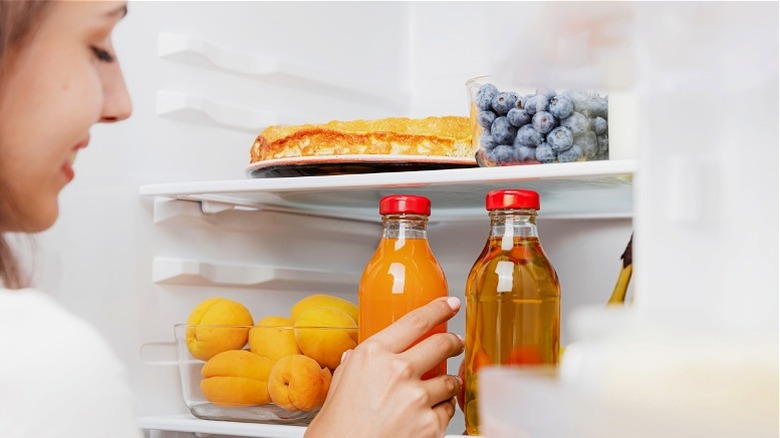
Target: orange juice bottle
512	296
403	274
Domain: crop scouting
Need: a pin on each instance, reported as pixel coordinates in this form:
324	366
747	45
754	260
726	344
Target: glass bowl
515	125
244	383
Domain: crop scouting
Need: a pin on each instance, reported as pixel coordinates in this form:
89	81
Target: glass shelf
188	423
595	189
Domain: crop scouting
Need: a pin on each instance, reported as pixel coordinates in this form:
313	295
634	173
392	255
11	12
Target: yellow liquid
512	313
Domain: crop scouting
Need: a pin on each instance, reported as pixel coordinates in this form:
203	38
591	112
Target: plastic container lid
408	204
512	198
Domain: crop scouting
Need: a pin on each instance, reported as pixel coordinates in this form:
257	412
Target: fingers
433	350
398	336
337	374
441	388
444	412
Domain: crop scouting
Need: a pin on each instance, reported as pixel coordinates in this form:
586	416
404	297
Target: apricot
332	333
236	378
273	337
206	342
323	300
297	383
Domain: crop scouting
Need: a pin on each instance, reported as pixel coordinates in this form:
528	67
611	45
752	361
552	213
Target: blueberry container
525	125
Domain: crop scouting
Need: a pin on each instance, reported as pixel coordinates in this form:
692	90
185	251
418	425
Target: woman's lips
67	169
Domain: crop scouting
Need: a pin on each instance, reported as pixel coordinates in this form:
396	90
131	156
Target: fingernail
461	338
460	381
454	303
343	356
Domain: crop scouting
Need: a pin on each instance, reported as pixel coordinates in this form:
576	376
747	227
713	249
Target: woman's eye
102	55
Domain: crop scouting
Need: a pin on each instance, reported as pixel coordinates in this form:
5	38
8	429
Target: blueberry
547	92
603	146
561	106
485	96
528	136
521	101
502	131
486	118
518	117
587	144
576	122
598	125
571	154
518	99
543	122
545	154
502	154
598	107
503	102
560	139
524	153
535	103
578	99
486	140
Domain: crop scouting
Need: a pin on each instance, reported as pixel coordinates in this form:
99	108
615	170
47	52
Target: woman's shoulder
58	367
33	323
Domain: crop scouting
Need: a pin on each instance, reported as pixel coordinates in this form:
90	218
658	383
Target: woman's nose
116	100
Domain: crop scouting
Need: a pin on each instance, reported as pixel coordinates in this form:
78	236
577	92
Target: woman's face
60	82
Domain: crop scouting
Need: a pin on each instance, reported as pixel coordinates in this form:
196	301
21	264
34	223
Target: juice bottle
512	296
403	274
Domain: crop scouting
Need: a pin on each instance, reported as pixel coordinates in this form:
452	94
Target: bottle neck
512	223
404	226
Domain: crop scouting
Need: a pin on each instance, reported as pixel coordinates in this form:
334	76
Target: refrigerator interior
206	77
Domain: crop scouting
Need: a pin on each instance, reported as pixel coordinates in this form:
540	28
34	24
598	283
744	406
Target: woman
59	76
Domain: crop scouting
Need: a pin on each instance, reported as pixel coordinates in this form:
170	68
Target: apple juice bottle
512	296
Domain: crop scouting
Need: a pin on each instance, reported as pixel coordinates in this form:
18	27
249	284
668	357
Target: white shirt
58	375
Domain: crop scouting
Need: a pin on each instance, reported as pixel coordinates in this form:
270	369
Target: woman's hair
18	21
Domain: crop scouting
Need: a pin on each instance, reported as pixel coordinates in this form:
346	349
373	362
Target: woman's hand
377	390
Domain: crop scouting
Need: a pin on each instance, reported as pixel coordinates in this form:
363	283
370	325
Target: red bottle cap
409	204
512	198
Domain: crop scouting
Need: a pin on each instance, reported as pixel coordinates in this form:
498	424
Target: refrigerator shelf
594	189
188	423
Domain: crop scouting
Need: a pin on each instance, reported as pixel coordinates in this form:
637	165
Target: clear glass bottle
403	274
512	296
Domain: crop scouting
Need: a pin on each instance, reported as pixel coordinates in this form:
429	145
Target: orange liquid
402	276
512	313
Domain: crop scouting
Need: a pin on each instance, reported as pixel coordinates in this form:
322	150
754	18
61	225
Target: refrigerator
163	216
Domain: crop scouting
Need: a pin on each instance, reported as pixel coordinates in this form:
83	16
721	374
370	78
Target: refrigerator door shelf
596	189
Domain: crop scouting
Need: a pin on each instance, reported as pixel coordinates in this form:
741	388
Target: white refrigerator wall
198	76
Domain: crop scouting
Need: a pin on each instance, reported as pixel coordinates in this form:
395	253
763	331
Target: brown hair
18	21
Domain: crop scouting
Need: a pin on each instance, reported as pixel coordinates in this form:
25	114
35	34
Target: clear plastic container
239	388
515	125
